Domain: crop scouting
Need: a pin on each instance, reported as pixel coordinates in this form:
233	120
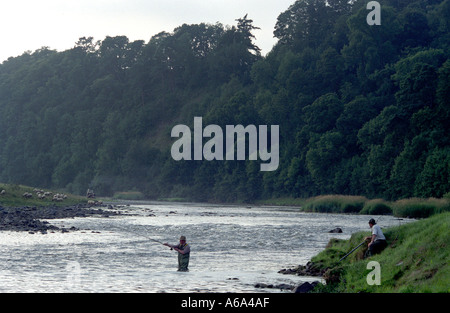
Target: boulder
305	287
284	287
336	230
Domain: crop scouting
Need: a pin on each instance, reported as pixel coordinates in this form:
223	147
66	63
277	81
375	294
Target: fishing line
139	235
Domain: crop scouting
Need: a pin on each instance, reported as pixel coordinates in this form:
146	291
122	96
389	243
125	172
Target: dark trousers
376	247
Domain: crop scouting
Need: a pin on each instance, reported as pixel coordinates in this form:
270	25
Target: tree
323	158
245	27
87	45
434	181
321	115
235	53
355	114
304	24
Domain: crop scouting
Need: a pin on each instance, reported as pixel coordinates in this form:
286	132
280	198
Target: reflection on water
232	249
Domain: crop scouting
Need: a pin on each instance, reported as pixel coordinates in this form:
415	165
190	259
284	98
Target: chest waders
183	259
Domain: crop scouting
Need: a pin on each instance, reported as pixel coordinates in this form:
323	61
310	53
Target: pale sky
58	24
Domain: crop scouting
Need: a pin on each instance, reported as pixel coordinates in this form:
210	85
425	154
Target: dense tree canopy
362	109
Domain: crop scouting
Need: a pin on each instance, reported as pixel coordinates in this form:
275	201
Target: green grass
412	207
129	195
376	207
420	208
416	260
13	197
335	204
286	201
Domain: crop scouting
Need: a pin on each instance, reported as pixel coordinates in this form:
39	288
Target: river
232	249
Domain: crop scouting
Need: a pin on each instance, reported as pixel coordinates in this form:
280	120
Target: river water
232	249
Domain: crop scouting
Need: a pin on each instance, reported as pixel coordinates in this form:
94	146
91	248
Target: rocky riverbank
302	288
310	269
30	218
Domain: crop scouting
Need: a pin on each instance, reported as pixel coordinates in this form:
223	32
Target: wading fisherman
377	240
184	251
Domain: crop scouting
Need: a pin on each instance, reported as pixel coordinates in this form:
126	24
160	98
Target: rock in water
305	287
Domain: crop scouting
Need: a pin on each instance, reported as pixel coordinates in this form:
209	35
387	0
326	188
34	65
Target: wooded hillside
362	109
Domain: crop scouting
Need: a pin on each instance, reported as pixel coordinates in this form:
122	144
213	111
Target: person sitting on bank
377	242
184	251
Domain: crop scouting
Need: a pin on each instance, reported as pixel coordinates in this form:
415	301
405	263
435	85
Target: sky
58	24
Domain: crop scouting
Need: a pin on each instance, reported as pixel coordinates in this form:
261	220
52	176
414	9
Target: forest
362	110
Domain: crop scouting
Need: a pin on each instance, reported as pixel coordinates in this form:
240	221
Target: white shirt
376	230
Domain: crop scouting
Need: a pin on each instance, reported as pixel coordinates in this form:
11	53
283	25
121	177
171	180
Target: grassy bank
416	260
129	195
13	196
412	207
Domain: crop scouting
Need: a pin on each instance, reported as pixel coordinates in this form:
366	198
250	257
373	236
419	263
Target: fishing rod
154	240
352	251
140	235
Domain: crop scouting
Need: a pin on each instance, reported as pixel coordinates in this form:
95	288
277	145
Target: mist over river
232	249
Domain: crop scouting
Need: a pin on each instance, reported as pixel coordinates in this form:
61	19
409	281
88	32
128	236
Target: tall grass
335	204
420	208
412	207
376	207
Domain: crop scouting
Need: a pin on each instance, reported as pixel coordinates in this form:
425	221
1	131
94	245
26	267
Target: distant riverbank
15	196
412	207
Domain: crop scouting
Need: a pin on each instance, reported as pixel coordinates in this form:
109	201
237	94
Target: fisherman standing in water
184	251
